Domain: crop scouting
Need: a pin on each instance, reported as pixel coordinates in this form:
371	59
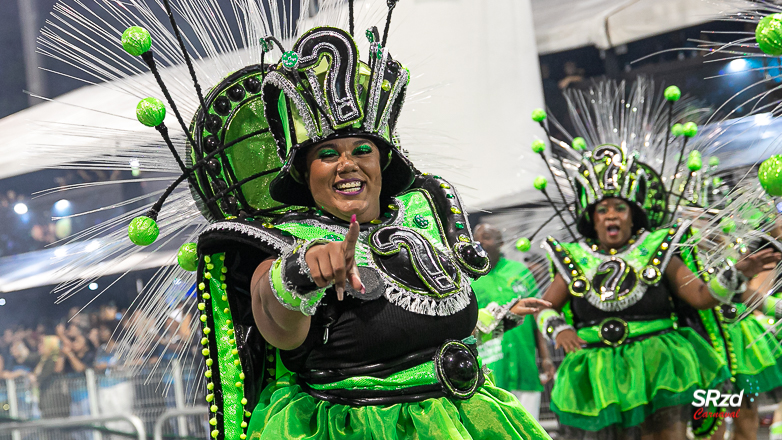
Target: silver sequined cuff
553	326
301	252
727	283
499	313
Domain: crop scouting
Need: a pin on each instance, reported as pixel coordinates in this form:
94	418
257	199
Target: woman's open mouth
613	230
349	187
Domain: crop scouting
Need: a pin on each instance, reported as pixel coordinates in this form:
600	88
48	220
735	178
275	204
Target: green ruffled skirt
600	387
286	412
758	364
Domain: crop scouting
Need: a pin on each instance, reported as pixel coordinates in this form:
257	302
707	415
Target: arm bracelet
291	281
550	323
728	282
491	316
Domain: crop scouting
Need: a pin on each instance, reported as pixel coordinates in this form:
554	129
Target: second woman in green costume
632	362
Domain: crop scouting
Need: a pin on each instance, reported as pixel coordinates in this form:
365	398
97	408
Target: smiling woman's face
344	177
613	221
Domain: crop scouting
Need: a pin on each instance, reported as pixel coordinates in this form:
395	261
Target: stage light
737	65
2	301
93	286
20	208
62	205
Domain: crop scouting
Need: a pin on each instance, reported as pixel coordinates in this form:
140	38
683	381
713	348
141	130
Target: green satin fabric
599	387
286	412
758	364
419	375
636	328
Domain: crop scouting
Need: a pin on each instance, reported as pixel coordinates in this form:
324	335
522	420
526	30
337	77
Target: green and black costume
638	358
758	361
378	365
396	362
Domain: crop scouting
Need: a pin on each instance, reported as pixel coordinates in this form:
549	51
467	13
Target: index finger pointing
351	238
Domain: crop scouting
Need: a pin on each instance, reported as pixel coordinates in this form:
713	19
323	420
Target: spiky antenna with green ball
694	164
540	184
672	94
538	147
524	244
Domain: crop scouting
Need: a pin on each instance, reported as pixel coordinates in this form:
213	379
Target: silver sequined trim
336	63
640	288
557	330
375	90
306	306
399	85
258	233
396	293
282	83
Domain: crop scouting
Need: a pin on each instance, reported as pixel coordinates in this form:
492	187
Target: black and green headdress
629	147
320	91
608	172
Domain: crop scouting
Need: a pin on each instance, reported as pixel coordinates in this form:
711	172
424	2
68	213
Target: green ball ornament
538	115
714	161
690	129
151	112
770	175
579	144
538	146
136	40
523	244
290	59
728	225
696	153
768	34
716	181
143	231
677	129
694	163
540	183
187	257
672	93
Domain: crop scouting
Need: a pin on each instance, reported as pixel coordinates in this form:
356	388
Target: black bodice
366	332
655	304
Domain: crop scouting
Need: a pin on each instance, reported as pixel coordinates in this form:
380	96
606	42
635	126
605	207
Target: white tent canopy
465	105
568	24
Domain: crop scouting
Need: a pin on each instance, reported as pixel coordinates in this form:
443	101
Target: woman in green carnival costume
366	294
332	278
631	368
745	229
339	307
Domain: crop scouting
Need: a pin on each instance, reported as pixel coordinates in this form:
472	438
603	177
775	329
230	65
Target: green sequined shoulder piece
615	281
637	254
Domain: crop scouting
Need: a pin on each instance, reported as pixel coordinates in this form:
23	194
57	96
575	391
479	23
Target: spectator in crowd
54	398
78	354
105	356
23	360
176	332
5	343
515	369
573	74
